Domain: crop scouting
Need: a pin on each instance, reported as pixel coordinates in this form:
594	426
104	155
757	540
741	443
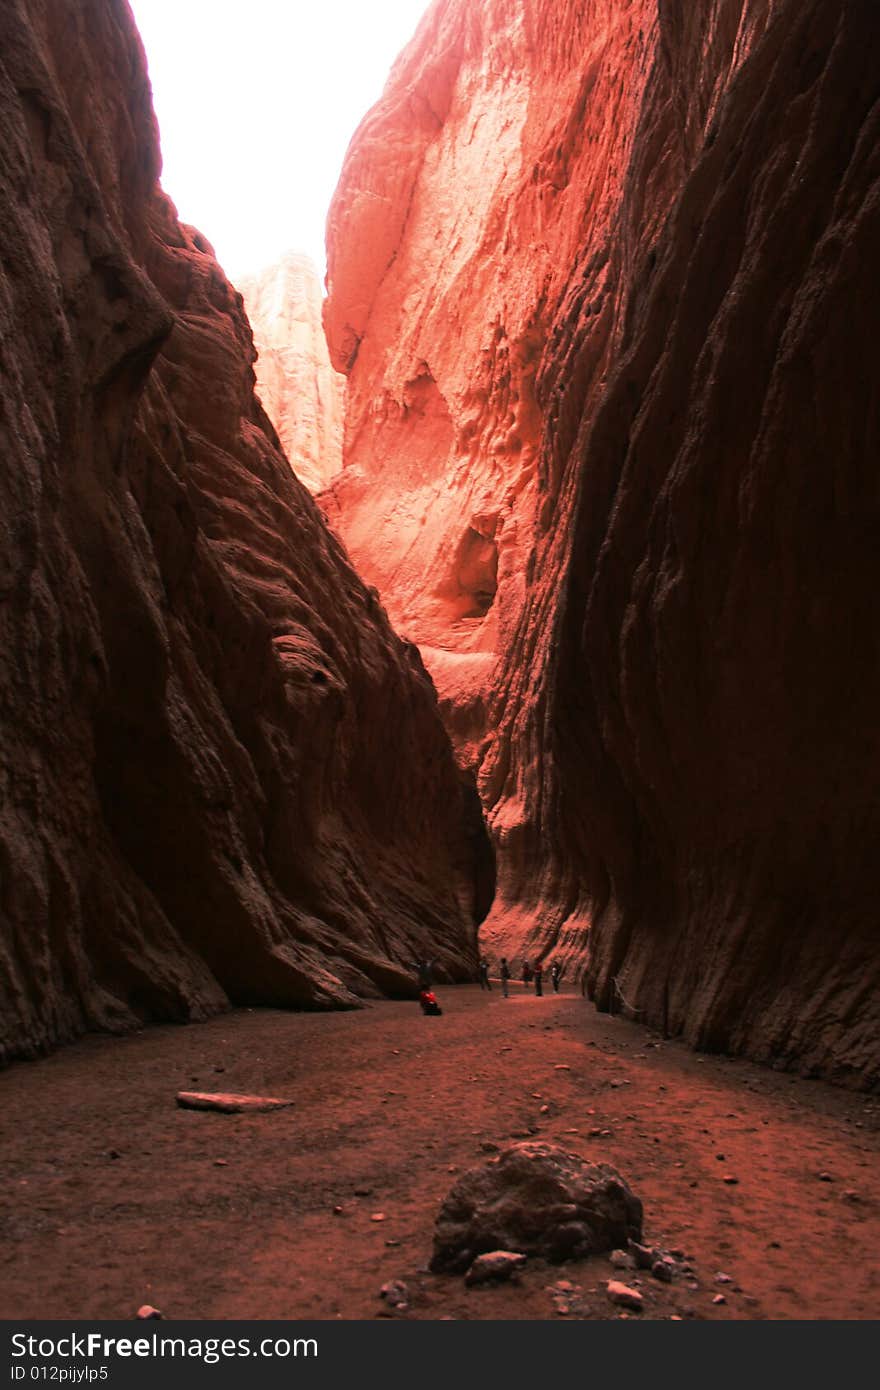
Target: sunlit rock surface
602	276
299	390
223	776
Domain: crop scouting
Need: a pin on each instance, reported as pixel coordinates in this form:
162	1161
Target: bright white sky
257	101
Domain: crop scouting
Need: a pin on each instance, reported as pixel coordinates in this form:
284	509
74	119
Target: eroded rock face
223	778
600	275
535	1199
299	390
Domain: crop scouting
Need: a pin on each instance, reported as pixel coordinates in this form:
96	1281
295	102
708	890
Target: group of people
424	970
530	973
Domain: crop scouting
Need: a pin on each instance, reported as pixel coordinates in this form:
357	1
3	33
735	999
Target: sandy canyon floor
113	1196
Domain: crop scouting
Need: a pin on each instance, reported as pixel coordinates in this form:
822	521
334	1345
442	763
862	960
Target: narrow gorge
600	281
511	605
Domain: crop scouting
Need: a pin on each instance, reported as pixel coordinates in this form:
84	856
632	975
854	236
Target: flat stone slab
227	1102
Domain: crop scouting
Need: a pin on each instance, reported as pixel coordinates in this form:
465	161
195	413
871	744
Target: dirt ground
113	1196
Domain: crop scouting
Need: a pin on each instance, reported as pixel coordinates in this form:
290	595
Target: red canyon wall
299	390
223	776
602	278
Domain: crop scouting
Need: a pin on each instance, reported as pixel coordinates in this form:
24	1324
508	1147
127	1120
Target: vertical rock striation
605	297
299	390
223	777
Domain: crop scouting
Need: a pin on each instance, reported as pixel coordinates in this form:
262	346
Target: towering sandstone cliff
223	776
299	390
602	276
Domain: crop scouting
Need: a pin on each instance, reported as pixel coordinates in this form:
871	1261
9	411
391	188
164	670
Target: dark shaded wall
223	777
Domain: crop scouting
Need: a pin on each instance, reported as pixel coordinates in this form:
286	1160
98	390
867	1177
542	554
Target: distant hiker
484	975
424	970
539	979
555	975
504	972
527	972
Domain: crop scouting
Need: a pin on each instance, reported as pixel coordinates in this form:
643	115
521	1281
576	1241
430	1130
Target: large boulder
535	1199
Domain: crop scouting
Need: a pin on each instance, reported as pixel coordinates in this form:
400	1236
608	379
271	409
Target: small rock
563	1286
220	1163
114	1153
544	1110
337	1211
730	1180
621	1259
488	1147
662	1271
643	1255
561	1066
363	1192
496	1264
392	1242
719	1298
851	1195
378	1216
825	1177
723	1278
395	1293
624	1296
219	1067
563	1309
147	1312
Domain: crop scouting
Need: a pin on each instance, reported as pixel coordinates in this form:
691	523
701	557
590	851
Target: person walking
504	972
425	971
539	979
485	982
555	975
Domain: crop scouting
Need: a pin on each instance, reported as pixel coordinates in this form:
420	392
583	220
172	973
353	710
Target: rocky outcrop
535	1199
601	278
299	390
223	776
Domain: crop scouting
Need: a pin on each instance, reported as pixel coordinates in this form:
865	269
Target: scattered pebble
497	1264
622	1259
378	1216
723	1279
825	1177
730	1179
719	1298
395	1294
643	1255
147	1312
662	1271
221	1163
624	1296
